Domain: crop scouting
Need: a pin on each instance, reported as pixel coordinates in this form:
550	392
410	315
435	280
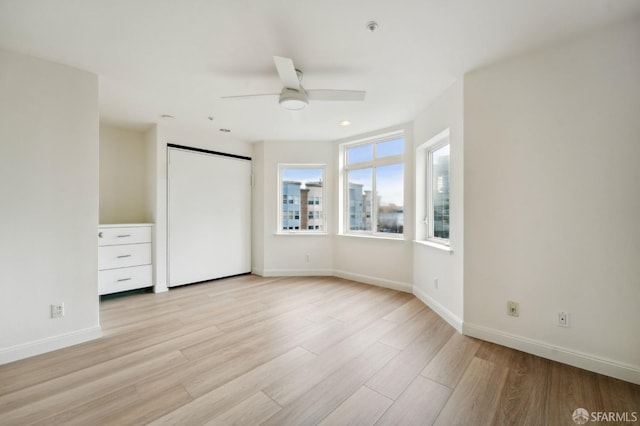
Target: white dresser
124	257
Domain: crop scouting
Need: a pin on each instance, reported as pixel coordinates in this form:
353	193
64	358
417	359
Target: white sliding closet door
209	216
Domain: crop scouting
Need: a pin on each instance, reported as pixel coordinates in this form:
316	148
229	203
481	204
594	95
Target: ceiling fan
294	97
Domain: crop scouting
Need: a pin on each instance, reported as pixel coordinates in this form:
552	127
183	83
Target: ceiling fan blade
250	96
336	95
287	72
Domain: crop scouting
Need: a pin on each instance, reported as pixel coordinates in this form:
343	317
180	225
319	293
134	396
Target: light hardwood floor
294	351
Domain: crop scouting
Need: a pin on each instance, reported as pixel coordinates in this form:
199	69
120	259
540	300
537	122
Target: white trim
379	282
439	309
295	272
606	366
436	143
438	246
345	168
374	137
301	232
365	279
376	236
48	344
124	225
424	187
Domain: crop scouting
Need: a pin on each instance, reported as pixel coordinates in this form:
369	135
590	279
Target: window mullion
385	161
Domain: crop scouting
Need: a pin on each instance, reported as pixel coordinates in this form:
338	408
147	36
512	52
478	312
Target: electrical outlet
57	311
513	308
435	282
563	319
307	258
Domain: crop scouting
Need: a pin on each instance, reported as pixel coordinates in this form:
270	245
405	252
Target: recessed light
345	123
372	26
225	130
210	118
167	117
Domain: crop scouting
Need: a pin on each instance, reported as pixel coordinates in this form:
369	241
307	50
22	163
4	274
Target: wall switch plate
57	311
513	308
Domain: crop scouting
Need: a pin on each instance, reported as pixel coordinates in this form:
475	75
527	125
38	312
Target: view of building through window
302	199
390	191
375	168
440	191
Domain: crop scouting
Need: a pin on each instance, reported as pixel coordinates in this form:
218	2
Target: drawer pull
123	256
124	279
124	235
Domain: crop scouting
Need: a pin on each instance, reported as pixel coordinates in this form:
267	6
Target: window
439	190
373	177
432	175
302	195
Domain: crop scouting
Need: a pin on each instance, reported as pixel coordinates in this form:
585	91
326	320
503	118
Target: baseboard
438	308
294	272
395	285
37	347
608	367
380	282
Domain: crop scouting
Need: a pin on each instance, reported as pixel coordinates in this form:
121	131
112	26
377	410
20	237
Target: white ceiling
179	57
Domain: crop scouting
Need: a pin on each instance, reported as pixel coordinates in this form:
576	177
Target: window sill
322	233
374	236
438	246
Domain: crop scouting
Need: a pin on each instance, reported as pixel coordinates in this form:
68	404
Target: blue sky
302	175
389	179
389	182
361	153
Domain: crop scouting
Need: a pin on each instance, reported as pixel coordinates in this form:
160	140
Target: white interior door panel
209	216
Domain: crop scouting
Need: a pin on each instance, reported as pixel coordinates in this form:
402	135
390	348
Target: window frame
322	202
424	175
372	164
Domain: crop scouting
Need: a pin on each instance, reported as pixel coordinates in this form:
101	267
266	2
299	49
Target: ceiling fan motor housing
293	99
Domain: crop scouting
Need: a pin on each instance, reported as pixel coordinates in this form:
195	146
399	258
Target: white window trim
424	156
279	230
376	162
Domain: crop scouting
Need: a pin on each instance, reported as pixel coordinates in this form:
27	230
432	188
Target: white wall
385	262
285	254
257	207
379	261
157	139
49	193
446	112
552	201
158	248
123	176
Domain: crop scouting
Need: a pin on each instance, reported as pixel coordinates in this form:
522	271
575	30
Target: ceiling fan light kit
293	99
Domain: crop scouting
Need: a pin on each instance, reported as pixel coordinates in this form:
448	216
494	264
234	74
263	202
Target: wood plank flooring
293	351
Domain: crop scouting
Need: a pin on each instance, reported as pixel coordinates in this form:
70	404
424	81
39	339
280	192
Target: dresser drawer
108	236
123	279
122	256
